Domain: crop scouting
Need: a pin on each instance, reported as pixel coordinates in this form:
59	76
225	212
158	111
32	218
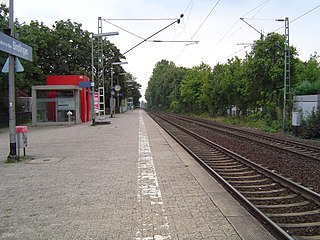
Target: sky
215	24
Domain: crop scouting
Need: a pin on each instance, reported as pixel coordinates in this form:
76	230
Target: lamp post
112	100
118	88
93	114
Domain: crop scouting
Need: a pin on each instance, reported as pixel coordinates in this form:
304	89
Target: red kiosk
76	80
62	94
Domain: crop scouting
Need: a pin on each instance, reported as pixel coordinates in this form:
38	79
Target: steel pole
118	98
111	91
93	114
12	102
286	82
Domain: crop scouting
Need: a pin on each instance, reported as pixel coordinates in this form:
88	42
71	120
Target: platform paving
124	180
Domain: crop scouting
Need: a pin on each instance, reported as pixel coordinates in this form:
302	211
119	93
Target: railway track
288	210
304	150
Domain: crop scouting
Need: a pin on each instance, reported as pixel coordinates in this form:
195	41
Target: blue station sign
85	84
10	45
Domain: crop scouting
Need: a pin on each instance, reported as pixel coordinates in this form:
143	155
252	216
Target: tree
265	73
176	101
130	88
64	49
38	36
193	88
213	91
4	19
135	93
233	84
309	70
308	76
161	85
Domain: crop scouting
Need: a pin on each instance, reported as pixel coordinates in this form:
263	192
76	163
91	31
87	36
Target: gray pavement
126	180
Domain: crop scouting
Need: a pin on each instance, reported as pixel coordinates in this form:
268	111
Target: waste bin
22	139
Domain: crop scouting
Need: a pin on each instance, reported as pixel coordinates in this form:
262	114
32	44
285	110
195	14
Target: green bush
308	88
310	128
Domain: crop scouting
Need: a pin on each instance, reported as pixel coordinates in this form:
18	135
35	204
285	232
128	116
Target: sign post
15	48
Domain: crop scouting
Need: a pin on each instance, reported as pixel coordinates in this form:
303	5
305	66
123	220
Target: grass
252	121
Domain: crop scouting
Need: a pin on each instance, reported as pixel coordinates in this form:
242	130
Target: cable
198	28
205	19
235	53
298	17
191	2
261	5
123	29
144	40
305	13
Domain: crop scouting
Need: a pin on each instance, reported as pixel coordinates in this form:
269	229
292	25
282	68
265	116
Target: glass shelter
51	103
63	98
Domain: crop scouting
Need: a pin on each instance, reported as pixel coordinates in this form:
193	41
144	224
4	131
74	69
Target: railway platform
125	180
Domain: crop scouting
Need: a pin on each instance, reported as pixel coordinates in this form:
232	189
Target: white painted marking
149	194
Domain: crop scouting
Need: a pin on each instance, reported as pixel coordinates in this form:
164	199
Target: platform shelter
63	94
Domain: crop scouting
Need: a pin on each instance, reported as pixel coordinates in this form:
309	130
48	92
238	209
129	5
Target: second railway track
280	144
288	209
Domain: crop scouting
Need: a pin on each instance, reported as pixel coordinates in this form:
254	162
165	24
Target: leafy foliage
311	126
64	49
161	85
250	88
3	80
308	76
308	88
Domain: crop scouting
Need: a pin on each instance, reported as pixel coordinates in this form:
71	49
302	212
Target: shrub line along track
288	210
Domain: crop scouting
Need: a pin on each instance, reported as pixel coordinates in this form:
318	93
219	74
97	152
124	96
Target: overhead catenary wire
227	35
191	3
205	19
295	19
262	5
127	31
305	13
144	40
242	49
186	24
300	16
259	7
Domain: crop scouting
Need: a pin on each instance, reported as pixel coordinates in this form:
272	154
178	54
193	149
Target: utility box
306	104
296	119
22	138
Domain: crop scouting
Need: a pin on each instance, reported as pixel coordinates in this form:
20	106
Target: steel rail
284	143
